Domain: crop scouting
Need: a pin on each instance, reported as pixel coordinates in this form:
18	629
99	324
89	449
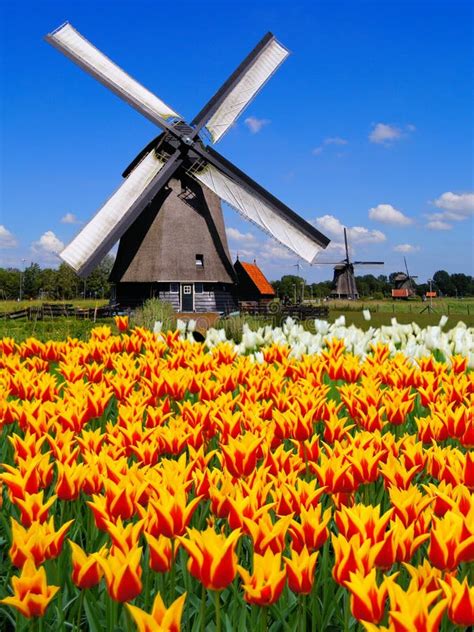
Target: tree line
61	283
369	286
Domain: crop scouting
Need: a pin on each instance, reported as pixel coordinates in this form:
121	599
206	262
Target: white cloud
70	218
269	252
234	234
455	206
255	124
438	225
335	140
406	248
272	251
357	234
386	134
332	140
7	239
388	214
48	246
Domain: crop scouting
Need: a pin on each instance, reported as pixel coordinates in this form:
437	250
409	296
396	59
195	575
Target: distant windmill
298	267
405	285
344	283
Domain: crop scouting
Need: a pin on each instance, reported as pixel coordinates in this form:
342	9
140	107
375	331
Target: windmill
344	283
405	285
167	213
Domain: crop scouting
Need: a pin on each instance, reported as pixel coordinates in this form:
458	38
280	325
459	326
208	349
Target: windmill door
187	297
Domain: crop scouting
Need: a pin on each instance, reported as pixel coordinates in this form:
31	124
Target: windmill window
199	261
198	288
174	288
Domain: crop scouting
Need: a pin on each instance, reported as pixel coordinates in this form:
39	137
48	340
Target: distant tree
322	289
463	284
68	283
289	285
49	283
9	283
31	281
443	283
97	283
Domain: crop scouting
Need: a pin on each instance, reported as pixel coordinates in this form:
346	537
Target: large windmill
344	283
171	230
405	285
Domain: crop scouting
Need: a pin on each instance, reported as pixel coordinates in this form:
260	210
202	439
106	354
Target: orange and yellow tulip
31	593
264	586
161	553
414	610
212	557
86	569
300	570
460	601
122	573
161	619
367	599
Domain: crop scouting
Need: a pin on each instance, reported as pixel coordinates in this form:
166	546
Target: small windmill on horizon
344	283
167	213
405	285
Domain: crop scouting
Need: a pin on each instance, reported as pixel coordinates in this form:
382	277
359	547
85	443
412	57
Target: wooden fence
275	309
47	311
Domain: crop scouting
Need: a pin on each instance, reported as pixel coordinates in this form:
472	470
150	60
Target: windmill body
404	284
344	283
167	213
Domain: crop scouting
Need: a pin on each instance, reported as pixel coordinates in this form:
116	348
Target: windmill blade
96	238
241	87
345	242
72	44
368	263
260	207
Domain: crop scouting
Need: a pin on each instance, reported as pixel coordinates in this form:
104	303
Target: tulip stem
147	590
202	622
347	612
301	614
79	610
172	571
217	602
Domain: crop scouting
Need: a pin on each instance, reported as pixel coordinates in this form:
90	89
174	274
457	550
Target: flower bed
297	481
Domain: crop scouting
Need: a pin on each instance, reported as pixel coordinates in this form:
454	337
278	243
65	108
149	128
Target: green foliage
55	284
154	310
50	329
289	285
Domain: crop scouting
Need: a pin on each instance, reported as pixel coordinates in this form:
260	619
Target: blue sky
368	123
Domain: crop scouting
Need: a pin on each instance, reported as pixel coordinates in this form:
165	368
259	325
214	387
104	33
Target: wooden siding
170	297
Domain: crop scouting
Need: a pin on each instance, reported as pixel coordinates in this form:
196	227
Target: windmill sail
261	208
72	44
97	237
181	152
241	87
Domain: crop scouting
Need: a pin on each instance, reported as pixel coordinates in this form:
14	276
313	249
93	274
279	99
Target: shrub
153	309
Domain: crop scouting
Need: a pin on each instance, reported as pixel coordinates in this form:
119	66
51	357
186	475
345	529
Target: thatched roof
183	221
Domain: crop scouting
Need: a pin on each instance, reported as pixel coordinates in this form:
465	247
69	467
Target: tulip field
296	481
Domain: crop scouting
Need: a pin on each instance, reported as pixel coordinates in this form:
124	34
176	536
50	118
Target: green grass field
12	306
382	313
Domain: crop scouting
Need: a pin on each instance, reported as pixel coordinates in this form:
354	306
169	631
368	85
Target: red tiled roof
258	278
